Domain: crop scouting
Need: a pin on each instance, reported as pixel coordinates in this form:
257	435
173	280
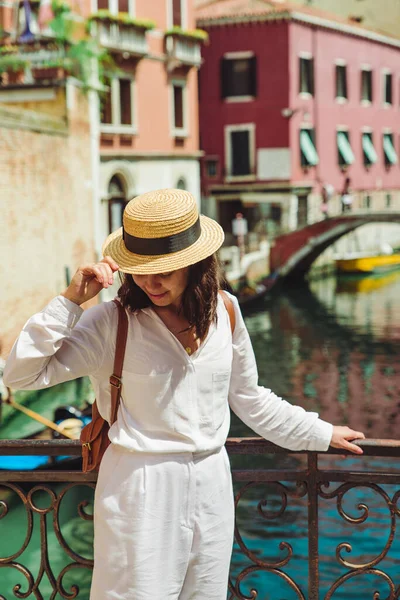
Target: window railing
269	497
120	37
183	50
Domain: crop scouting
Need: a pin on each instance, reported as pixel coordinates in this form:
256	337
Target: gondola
68	418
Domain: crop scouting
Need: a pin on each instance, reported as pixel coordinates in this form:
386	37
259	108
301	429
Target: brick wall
46	205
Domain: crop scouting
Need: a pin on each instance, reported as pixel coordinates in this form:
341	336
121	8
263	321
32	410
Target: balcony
183	48
339	521
120	33
20	64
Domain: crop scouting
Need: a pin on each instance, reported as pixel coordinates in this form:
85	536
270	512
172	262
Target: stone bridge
292	254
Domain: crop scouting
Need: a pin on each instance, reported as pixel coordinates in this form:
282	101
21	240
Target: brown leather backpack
94	436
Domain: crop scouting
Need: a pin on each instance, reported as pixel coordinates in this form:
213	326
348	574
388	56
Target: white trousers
163	526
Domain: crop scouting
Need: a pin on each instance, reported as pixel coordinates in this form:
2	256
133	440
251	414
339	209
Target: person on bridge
346	196
164	506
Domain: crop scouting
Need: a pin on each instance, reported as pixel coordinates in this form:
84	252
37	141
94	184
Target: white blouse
170	402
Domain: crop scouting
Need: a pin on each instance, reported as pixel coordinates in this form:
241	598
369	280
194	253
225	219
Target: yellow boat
374	263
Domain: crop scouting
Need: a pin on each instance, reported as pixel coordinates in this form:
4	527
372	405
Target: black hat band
165	245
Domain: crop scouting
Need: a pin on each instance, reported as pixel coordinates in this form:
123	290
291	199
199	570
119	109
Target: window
176	13
369	152
389	152
387	88
117	104
308	152
345	153
211	167
306	68
388	200
367	201
105	104
366	85
341	81
178	107
115	6
116	203
239	140
181	185
238	77
125	101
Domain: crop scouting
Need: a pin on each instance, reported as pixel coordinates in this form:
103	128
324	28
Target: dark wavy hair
199	300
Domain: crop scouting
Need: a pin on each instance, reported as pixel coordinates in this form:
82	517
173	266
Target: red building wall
277	47
269	42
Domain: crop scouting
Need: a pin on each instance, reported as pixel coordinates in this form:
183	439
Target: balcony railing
183	51
303	484
120	37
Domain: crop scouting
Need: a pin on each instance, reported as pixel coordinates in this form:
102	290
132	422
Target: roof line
303	18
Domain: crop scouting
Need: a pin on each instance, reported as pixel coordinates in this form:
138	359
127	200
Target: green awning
308	148
369	149
390	152
344	148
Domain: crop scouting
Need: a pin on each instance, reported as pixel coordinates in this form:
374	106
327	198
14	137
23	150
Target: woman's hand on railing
342	435
89	280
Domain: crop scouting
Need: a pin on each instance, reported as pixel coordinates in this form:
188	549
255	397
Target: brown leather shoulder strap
115	379
230	308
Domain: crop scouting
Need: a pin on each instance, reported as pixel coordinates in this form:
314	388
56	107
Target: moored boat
367	263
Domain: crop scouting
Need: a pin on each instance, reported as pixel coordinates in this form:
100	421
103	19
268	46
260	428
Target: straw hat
162	231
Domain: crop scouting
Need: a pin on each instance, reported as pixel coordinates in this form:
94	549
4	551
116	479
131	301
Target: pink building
144	126
291	99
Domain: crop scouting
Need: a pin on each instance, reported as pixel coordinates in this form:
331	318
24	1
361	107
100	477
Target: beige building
383	15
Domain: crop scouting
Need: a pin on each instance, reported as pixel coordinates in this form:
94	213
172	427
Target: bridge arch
292	254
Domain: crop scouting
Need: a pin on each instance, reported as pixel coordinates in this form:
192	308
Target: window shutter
225	71
176	13
253	76
123	6
311	67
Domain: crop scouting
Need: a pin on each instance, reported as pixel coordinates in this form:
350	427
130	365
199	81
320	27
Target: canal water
331	346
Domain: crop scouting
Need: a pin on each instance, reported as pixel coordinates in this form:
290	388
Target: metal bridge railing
273	487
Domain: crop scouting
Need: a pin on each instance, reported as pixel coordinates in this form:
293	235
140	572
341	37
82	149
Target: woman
163	504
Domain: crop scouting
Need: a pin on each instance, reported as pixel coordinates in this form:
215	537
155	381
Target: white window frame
384	73
113	7
184	14
116	126
307	56
179	131
362	69
340	62
251	128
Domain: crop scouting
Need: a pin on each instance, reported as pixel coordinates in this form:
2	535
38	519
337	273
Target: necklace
188	350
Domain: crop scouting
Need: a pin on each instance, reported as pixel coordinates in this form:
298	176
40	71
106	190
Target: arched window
116	203
181	185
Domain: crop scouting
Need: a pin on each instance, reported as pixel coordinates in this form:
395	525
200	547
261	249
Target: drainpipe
315	101
94	112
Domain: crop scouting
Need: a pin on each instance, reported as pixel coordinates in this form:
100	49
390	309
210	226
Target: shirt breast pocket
220	390
149	400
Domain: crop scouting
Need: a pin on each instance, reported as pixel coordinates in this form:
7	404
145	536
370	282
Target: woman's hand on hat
342	435
89	280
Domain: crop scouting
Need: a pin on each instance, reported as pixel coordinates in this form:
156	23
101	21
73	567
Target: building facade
149	134
46	198
292	103
117	127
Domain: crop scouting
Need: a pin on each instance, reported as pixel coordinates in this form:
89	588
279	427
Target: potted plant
55	69
12	68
